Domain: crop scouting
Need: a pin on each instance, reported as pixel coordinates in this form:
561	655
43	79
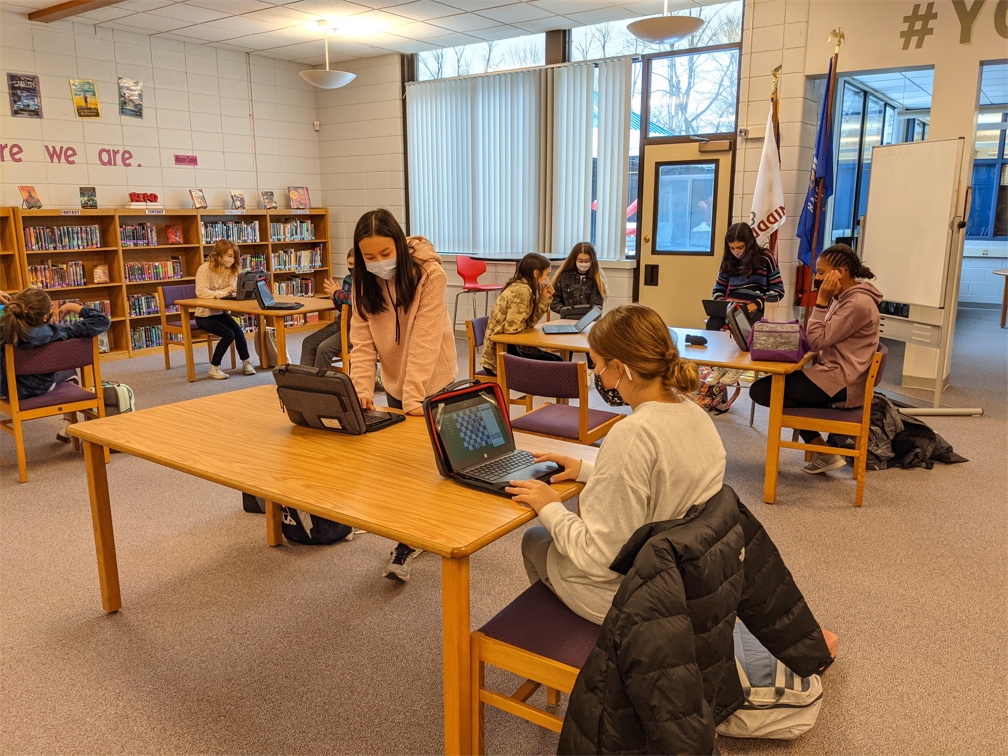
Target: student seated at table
663	459
748	275
579	281
215	279
30	319
320	348
400	315
524	300
843	330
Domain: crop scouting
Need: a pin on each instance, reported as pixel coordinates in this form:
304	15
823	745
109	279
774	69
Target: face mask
583	267
611	396
382	268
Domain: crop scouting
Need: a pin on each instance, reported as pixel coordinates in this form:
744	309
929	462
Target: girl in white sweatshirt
663	459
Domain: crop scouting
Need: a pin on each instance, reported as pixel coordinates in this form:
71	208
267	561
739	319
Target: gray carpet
227	646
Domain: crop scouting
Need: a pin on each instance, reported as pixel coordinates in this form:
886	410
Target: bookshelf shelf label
234	212
299	212
69	212
152	211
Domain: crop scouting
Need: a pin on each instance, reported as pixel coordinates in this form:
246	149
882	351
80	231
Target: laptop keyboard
498	469
371	420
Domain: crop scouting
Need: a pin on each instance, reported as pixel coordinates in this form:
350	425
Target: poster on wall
25	95
85	98
130	98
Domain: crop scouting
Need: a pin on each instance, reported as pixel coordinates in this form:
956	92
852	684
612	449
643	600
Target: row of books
51	238
247	322
145	337
297	259
254	262
139	235
146	304
103	306
298	320
153	271
238	232
292	230
50	275
295	287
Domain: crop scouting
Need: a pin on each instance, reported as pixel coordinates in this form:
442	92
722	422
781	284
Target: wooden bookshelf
280	243
11	278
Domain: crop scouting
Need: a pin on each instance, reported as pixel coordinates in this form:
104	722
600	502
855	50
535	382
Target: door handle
647	239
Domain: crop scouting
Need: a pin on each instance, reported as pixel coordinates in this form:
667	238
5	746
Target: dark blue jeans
224	326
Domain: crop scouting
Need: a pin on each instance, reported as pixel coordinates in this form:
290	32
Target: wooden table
1003	272
293	466
720	351
263	317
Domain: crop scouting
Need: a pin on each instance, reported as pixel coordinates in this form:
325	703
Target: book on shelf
299	199
50	275
103	306
138	235
143	304
88	198
295	287
269	200
147	337
100	274
61	238
255	261
291	321
239	232
297	260
29	198
292	230
198	199
237	199
138	272
174	234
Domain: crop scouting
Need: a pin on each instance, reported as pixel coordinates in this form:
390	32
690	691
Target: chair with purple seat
167	297
66	398
476	336
562	380
855	422
470	270
536	637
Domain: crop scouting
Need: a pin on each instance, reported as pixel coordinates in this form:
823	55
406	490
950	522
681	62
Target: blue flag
822	168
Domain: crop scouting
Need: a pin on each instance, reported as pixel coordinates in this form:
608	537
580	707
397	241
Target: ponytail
26	310
841	256
680	376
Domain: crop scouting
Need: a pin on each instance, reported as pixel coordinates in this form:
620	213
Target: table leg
260	341
274	524
455	628
190	364
1004	302
281	336
773	438
101	519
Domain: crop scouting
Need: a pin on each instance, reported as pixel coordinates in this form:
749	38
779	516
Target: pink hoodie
424	359
845	335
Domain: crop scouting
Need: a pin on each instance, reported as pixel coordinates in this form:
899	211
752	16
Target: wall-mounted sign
185	160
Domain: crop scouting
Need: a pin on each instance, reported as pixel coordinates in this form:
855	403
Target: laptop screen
472	430
742	327
265	293
587	318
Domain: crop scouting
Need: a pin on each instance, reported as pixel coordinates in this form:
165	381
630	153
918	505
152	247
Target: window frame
999	164
713	163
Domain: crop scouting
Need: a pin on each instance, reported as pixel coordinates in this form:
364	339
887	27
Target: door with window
683	219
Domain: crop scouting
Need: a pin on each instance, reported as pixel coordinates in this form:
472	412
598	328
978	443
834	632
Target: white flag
768	199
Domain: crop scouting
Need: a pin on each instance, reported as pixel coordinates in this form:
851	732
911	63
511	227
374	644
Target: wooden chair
536	637
563	380
476	336
66	398
343	358
847	422
167	296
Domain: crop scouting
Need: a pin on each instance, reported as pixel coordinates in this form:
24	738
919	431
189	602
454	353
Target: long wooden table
720	351
293	466
274	318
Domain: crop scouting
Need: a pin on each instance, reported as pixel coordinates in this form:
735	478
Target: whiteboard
912	199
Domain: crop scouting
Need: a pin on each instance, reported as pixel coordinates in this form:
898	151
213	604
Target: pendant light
664	29
327	79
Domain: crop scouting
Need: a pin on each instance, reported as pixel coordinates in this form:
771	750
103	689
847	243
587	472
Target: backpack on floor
302	527
716	398
269	340
779	704
118	398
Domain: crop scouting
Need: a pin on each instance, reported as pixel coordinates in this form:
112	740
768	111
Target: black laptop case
323	399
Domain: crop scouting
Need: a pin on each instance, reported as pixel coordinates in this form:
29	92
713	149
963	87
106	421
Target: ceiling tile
561	7
600	16
502	31
148	23
142	6
191	14
425	10
477	5
454	40
101	15
327	8
464	23
230	7
284	17
546	24
418	30
510	14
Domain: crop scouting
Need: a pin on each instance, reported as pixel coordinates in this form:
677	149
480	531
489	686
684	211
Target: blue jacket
91	323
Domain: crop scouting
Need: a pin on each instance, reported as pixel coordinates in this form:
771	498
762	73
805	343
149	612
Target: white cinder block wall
197	101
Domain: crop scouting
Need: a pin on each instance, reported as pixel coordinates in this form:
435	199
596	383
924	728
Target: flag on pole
822	173
768	214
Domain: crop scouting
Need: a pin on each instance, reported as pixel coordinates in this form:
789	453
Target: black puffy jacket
573	289
663	674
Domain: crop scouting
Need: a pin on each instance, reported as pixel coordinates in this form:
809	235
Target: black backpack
302	527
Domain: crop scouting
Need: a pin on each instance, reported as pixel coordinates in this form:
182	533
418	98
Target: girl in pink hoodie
400	315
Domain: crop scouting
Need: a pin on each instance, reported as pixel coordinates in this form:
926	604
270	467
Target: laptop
479	444
327	400
266	301
589	317
739	325
716	308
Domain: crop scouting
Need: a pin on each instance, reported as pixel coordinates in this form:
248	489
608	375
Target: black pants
799	391
530	353
224	325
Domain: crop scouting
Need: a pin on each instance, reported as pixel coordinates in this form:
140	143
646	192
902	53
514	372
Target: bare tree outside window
483	57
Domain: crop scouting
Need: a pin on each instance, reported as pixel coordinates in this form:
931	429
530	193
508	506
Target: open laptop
589	317
479	445
327	399
716	308
739	325
266	301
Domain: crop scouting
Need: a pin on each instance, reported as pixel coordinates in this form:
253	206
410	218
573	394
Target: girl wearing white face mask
653	466
216	279
400	315
748	275
579	282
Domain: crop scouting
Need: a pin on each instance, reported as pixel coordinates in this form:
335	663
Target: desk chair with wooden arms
66	398
470	270
167	296
847	422
344	356
563	380
536	637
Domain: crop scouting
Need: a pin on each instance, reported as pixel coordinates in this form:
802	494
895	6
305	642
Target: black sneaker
401	562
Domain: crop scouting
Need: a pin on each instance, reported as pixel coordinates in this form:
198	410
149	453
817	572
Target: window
693	94
483	57
684	207
988	217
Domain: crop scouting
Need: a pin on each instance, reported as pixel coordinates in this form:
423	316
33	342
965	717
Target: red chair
471	270
66	398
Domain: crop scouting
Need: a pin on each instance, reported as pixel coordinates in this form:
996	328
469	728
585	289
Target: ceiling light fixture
664	29
327	79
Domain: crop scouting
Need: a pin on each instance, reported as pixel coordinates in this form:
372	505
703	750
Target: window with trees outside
481	58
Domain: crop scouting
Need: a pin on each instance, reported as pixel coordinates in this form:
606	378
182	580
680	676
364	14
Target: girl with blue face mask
400	316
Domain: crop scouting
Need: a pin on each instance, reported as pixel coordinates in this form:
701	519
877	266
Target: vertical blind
573	115
613	157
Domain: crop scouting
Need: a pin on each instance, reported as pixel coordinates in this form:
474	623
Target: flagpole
775	116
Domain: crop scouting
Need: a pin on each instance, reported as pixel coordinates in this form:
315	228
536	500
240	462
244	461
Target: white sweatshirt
653	466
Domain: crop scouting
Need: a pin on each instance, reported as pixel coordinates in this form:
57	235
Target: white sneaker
731	377
401	562
216	372
821	463
715	376
247	367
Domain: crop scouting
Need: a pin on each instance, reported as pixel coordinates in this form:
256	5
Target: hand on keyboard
534	493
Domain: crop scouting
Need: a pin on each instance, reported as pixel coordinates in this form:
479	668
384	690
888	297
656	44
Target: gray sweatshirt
653	466
845	335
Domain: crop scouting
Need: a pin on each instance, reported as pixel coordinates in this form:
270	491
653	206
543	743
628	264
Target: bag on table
302	527
779	704
270	340
777	342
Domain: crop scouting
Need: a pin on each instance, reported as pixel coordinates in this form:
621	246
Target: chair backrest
479	326
874	371
171	294
470	269
884	351
541	378
53	357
